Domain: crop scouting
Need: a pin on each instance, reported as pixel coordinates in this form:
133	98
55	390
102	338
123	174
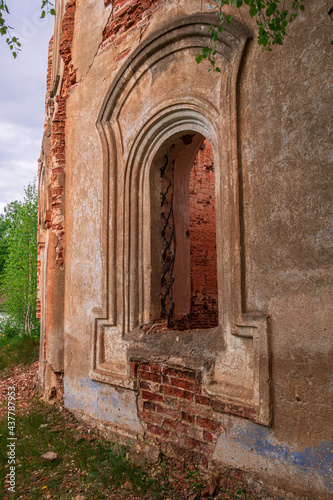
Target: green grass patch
21	349
85	465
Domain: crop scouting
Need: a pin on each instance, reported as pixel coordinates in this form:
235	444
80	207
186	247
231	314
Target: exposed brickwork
126	16
175	412
58	131
56	391
204	293
59	386
48	74
38	306
53	219
48	110
169	412
204	309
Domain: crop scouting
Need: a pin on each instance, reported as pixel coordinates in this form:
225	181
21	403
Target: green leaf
253	10
217	69
52	12
206	51
42	14
229	18
271	9
199	58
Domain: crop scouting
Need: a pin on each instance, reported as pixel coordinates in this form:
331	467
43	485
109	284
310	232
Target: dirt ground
171	483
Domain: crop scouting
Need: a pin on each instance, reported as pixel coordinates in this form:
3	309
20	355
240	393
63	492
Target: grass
18	350
85	465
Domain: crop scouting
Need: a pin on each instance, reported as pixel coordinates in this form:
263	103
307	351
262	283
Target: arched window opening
189	291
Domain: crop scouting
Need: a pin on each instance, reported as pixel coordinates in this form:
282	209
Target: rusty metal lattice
167	255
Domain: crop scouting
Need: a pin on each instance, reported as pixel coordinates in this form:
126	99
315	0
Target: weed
240	493
193	476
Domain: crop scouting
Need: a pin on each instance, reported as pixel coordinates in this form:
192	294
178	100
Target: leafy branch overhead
272	20
5	29
47	8
12	41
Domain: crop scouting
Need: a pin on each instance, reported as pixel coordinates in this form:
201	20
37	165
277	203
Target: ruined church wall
283	108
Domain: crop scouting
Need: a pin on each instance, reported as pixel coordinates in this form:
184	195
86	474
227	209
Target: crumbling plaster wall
283	111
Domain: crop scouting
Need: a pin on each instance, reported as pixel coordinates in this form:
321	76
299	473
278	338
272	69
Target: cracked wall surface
248	394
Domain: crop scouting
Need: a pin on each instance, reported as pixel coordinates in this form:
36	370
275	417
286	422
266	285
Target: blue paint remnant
74	400
261	441
114	402
103	402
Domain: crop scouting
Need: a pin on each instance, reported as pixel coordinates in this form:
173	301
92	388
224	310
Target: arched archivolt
141	193
123	122
158	96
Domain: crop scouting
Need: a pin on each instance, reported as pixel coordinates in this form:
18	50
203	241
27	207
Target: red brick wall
204	308
126	16
58	130
202	231
38	306
48	88
49	71
176	413
172	409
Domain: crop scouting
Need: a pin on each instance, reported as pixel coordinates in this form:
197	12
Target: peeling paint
103	402
247	443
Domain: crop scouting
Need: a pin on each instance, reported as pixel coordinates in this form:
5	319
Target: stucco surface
268	122
248	446
105	403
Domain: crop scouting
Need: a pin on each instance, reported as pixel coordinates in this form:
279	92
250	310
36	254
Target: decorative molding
134	136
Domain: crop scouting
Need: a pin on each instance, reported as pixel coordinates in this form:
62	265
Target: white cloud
22	97
19	151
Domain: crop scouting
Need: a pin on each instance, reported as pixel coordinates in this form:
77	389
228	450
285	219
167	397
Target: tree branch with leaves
272	19
5	29
13	41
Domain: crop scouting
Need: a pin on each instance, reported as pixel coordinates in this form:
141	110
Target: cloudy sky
22	96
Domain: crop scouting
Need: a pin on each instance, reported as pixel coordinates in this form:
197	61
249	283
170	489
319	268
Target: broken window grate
167	255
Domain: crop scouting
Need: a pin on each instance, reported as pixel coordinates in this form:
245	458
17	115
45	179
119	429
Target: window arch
153	105
185	255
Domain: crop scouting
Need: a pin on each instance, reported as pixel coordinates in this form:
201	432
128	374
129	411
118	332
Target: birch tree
19	276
